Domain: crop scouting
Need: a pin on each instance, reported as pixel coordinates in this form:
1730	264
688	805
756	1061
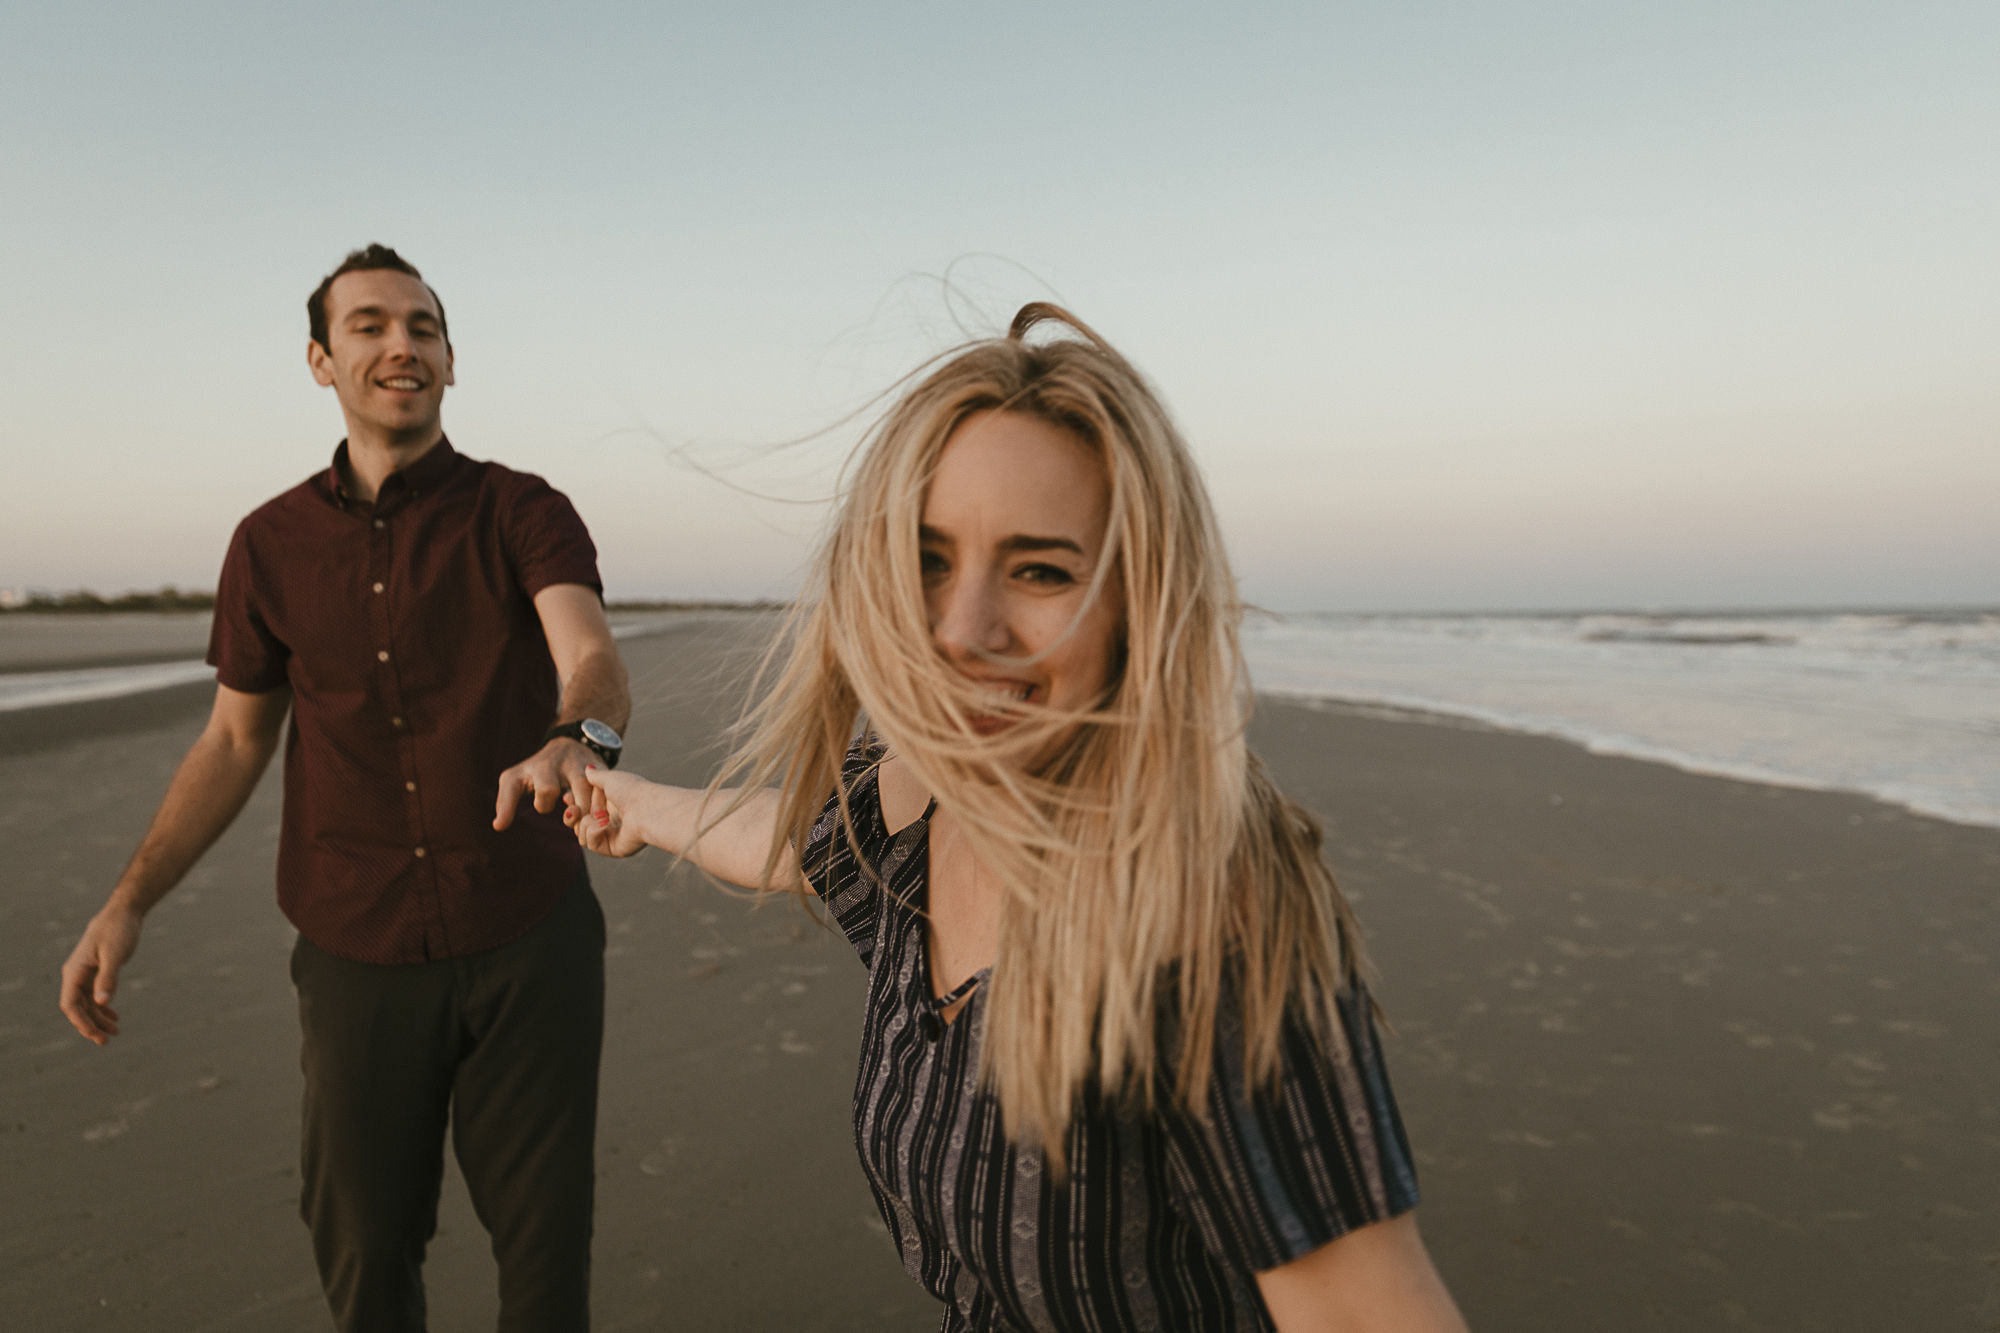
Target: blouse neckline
930	1006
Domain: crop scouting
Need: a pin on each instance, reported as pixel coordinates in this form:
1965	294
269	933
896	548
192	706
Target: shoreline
54	669
1432	712
70	659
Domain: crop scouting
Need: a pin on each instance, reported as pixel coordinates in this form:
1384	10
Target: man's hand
550	772
209	788
90	977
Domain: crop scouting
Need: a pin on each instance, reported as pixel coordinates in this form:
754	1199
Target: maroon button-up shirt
419	672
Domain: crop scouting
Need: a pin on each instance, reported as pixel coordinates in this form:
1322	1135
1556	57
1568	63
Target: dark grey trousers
506	1043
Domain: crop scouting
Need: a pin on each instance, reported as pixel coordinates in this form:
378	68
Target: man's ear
450	366
321	363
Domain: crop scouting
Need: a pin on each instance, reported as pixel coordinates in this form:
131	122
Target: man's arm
207	793
593	685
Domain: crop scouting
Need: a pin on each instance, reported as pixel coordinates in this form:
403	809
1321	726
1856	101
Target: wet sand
52	641
1675	1052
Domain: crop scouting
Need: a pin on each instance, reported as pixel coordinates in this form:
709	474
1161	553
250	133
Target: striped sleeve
1272	1173
846	884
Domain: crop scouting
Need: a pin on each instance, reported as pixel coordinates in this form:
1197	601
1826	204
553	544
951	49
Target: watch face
596	731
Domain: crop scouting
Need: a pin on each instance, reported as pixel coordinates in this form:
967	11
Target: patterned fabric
1164	1218
408	633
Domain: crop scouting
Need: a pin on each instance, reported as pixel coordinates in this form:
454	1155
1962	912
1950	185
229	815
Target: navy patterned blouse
1165	1217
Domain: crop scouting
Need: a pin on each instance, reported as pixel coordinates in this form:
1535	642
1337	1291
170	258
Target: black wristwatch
594	735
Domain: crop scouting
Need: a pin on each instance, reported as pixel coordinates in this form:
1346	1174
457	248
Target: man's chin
419	420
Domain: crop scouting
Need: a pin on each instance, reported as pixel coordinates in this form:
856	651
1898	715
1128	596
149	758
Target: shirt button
395	721
382	656
380	524
409	786
420	851
378	587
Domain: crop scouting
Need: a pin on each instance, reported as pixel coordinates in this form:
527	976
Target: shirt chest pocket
456	616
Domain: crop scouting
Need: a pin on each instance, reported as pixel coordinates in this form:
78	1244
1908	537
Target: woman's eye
932	564
1052	576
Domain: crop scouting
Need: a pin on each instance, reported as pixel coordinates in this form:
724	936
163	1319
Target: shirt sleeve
546	539
850	886
246	655
1272	1173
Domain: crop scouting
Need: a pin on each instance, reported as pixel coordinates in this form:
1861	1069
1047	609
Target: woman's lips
999	702
1001	695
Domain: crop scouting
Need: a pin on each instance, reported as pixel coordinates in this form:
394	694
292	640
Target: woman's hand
615	823
628	814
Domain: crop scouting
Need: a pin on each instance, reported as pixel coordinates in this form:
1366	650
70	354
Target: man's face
388	361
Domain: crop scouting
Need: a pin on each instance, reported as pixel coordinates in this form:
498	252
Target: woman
1119	1069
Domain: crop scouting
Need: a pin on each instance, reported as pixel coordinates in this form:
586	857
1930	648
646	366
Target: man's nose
399	342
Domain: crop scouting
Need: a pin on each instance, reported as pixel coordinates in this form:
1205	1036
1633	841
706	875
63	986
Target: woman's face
1013	526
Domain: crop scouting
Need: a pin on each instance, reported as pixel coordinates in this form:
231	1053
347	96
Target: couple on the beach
1119	1067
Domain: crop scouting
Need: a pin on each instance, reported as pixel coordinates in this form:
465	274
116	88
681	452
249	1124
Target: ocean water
1903	706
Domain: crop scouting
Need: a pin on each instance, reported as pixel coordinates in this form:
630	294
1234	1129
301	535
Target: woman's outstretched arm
1375	1280
629	814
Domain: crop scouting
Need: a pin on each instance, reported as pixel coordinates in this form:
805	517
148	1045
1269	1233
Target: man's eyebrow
377	312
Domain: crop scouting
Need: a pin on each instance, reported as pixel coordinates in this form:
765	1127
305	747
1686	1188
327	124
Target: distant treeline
765	605
171	598
84	601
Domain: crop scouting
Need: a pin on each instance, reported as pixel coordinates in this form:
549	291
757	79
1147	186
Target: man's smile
402	383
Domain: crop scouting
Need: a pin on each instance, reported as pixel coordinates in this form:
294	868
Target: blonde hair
1141	848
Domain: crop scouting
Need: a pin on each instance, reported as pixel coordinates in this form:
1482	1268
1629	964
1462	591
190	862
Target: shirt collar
408	482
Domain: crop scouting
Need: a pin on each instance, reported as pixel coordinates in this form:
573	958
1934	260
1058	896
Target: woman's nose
974	619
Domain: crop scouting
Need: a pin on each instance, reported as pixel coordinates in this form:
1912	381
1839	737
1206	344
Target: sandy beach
1675	1052
52	641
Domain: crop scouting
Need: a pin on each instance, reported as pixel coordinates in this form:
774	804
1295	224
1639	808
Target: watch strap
574	731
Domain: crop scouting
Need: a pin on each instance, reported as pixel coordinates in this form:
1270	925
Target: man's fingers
107	981
579	789
548	792
512	783
75	986
81	1009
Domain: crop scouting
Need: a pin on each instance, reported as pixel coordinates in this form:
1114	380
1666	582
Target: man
425	618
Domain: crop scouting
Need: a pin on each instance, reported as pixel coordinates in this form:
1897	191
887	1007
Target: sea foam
1903	706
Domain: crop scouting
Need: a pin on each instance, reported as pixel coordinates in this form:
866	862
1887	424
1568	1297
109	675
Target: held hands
608	821
90	977
553	774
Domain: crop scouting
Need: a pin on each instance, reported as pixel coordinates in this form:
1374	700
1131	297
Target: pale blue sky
1462	305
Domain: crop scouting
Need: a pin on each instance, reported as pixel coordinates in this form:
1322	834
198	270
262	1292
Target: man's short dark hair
374	256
